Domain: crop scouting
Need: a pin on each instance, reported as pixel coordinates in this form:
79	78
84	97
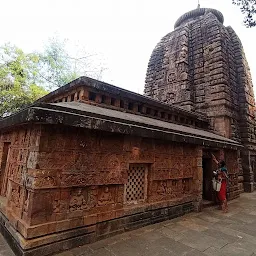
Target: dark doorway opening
208	193
207	180
254	171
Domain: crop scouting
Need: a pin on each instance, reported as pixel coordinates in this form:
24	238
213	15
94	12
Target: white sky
122	32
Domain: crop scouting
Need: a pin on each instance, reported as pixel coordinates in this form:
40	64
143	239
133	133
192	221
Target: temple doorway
207	180
253	171
207	177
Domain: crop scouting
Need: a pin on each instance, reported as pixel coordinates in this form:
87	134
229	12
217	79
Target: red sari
223	189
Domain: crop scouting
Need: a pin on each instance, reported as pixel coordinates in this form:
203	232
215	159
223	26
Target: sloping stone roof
115	90
97	118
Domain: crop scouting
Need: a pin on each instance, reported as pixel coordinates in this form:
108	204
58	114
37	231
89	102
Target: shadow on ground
196	234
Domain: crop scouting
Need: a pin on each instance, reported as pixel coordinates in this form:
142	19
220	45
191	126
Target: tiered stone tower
201	67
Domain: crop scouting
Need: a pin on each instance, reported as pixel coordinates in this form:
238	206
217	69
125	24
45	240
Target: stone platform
196	234
206	233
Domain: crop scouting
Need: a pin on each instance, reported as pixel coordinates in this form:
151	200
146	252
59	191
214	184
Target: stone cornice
95	118
197	13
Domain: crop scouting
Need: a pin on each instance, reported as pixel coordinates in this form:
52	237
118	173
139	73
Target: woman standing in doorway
223	177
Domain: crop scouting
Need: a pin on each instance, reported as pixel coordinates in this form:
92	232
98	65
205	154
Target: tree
17	79
56	67
248	9
26	77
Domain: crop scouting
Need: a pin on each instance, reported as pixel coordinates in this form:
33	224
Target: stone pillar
247	171
240	173
198	181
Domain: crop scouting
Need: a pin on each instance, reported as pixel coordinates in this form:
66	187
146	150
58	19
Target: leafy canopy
25	77
17	79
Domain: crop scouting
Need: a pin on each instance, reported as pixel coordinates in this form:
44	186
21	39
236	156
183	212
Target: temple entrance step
206	203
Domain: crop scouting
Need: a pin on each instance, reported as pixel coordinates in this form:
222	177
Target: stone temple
201	67
91	160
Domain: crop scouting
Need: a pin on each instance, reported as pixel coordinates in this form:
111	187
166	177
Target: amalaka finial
198	5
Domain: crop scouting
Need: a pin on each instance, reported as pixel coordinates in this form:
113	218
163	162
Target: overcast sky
123	33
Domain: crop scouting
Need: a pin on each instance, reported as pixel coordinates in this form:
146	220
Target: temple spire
198	5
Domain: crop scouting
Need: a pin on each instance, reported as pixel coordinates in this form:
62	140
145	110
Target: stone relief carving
105	197
186	185
6	137
15	197
169	97
77	202
26	203
176	187
163	188
32	160
48	181
171	77
59	206
112	166
170	189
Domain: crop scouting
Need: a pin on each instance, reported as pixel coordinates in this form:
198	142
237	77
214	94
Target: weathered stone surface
91	160
208	58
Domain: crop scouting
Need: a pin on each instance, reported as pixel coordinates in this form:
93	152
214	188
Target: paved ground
5	250
197	234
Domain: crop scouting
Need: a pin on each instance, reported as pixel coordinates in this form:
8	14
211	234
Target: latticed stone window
136	187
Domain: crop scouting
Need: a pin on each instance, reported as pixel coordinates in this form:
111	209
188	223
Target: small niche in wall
130	106
113	101
103	99
92	96
140	108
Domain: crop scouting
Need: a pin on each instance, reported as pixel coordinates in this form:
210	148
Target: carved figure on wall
171	77
15	197
92	196
78	202
56	206
188	169
26	203
170	97
135	152
177	188
44	181
113	164
186	185
25	209
163	188
105	197
183	53
29	181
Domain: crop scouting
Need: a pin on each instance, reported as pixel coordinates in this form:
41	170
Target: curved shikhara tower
201	66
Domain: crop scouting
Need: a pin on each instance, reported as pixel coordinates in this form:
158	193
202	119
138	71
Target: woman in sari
222	175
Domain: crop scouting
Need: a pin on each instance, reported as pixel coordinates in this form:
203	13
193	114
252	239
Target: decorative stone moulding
197	13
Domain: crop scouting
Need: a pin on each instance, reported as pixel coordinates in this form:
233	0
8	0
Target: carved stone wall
201	66
22	142
60	178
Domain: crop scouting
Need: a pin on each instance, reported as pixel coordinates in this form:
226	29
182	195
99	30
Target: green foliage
26	77
17	79
55	65
248	8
